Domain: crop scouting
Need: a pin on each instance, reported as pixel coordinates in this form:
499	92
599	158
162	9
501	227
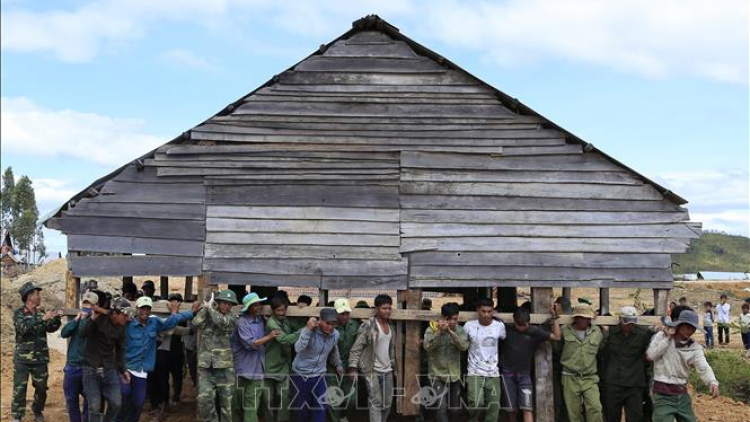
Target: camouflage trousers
39	374
215	385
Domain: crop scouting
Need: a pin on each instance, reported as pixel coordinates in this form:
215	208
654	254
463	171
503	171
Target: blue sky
661	85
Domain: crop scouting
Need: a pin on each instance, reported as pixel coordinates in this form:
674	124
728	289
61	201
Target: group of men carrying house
285	368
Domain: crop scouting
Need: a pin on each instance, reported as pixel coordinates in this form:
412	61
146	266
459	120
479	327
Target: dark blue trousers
309	398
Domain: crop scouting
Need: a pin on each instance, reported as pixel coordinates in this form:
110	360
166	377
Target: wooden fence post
401	298
541	301
189	288
163	287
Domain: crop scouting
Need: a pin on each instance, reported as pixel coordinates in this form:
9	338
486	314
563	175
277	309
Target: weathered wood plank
303	213
219	152
137	209
389	282
305	178
238	174
148	175
518	176
151	192
308	266
476	272
302	239
537	190
584	162
524	244
214	250
418	121
134	227
272	163
455	202
450	77
393	49
134	265
260	148
301	226
441	284
359	109
418	65
310	195
365	99
345	125
520	230
527	140
513	132
134	245
541	217
570	260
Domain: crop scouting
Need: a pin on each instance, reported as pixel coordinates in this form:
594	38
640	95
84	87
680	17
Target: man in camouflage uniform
216	323
32	324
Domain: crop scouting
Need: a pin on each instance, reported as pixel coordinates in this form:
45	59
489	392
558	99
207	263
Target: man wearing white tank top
374	354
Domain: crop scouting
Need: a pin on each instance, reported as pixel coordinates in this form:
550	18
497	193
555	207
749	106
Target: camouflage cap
27	288
227	296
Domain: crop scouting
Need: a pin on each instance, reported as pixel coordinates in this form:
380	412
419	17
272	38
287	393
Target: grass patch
733	372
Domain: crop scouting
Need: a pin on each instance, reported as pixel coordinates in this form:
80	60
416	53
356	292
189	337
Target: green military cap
227	296
585	300
27	288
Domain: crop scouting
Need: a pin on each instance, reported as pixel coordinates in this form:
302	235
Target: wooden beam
541	301
661	302
412	314
412	355
72	290
164	286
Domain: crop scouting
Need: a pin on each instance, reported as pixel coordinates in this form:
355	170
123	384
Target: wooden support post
567	292
412	355
661	301
72	290
604	301
163	286
322	297
204	290
189	288
401	298
541	301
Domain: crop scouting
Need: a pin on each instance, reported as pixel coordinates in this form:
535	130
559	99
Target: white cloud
27	128
187	58
720	199
661	38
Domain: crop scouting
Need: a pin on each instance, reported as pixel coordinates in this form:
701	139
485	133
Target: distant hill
715	252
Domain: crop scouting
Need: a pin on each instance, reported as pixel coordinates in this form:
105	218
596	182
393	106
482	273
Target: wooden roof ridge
371	23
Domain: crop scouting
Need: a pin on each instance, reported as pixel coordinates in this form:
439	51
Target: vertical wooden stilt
189	288
412	355
567	292
541	301
204	291
401	298
322	297
163	287
507	298
604	301
72	290
661	301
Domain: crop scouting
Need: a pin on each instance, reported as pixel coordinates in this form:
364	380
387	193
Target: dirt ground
51	278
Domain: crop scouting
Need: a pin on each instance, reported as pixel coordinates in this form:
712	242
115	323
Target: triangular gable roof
375	23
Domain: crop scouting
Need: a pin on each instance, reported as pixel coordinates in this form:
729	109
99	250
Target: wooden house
377	163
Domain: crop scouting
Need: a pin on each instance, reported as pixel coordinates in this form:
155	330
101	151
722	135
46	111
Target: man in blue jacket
140	352
316	347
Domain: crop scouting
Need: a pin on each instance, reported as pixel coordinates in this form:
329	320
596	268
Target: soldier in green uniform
32	324
625	367
279	360
580	382
348	329
216	324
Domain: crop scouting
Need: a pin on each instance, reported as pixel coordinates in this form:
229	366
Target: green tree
24	214
6	199
40	250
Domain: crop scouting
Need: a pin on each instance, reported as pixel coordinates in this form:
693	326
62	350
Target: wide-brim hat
686	317
249	300
583	311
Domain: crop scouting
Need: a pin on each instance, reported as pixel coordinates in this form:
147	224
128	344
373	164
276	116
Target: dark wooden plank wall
159	221
369	155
